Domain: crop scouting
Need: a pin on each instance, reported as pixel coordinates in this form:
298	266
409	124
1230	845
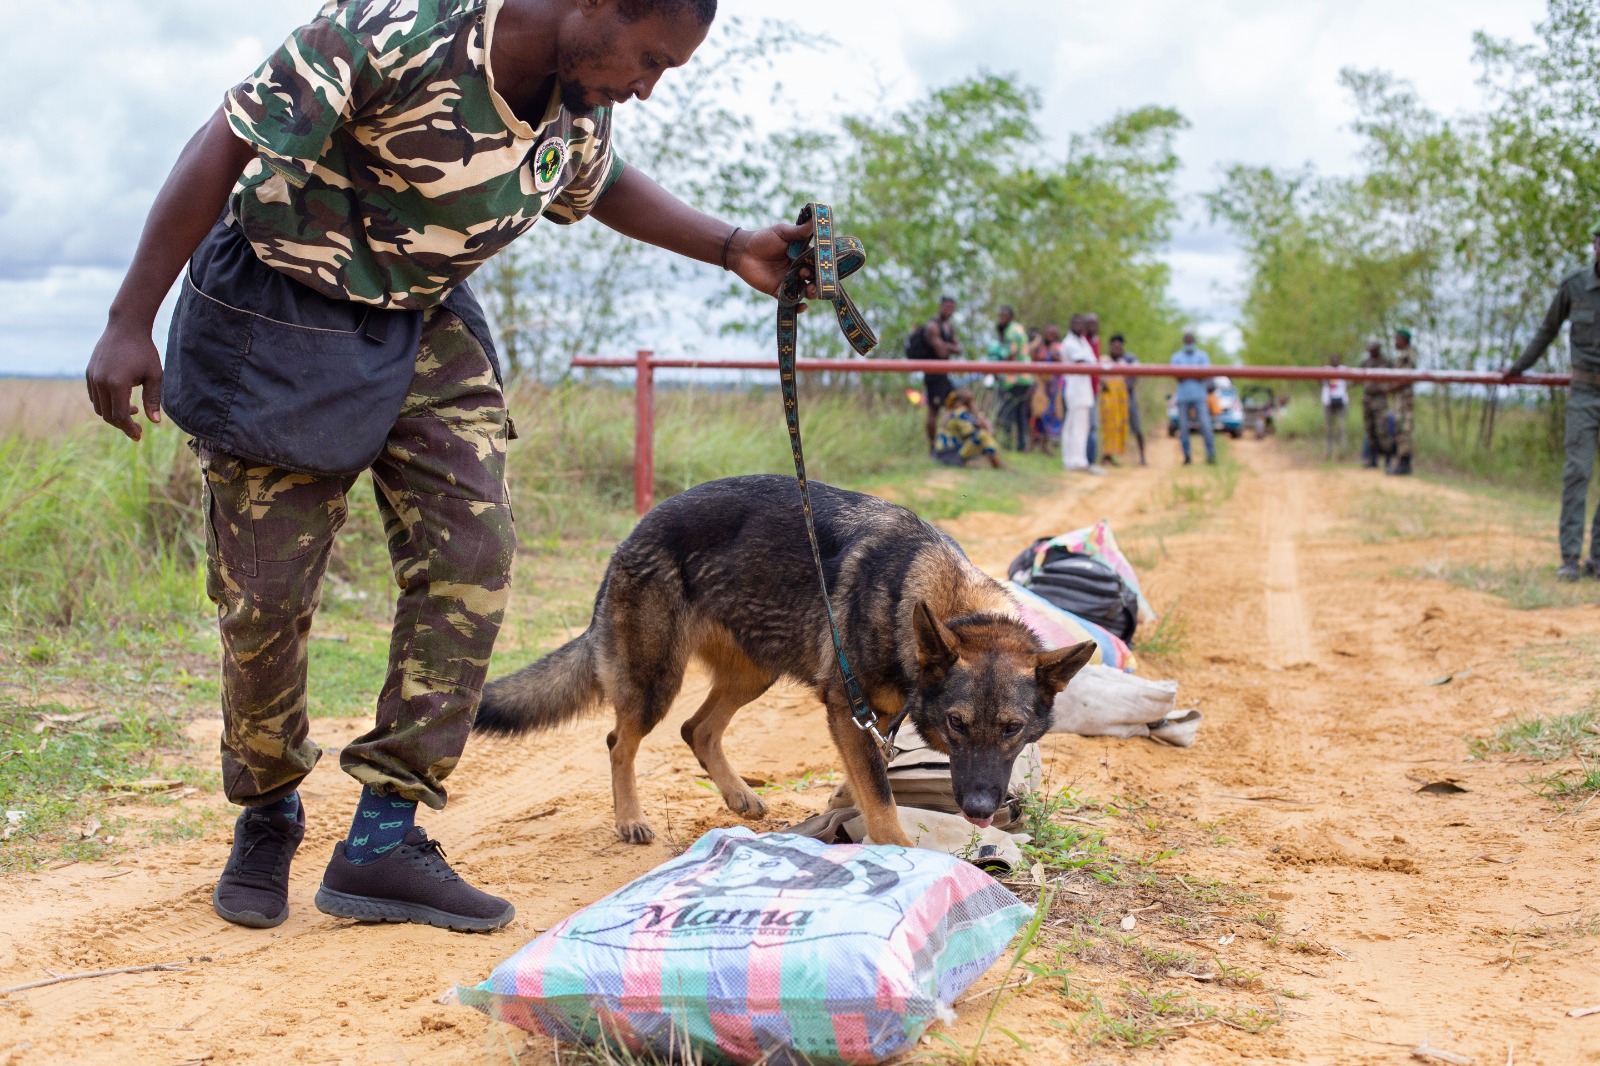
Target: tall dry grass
98	533
42	408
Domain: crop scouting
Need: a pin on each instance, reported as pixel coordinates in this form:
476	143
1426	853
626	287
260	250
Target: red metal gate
645	365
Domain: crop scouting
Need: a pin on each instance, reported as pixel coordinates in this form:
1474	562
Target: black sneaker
1591	567
1569	571
254	887
412	883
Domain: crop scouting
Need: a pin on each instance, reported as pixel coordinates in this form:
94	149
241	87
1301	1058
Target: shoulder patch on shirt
548	161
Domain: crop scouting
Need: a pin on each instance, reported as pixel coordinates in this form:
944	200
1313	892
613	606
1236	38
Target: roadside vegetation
107	642
1411	241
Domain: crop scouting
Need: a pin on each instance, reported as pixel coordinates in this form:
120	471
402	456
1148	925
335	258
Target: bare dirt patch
1294	893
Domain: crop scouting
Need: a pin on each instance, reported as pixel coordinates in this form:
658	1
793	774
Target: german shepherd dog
724	571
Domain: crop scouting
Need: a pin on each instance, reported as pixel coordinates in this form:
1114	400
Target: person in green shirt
1577	300
325	221
1014	388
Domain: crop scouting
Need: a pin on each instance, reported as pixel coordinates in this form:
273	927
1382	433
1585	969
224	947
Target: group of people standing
1094	419
1387	409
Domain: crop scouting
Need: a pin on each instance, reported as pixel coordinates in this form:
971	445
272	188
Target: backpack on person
917	346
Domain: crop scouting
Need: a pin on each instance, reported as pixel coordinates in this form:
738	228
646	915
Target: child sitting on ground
964	433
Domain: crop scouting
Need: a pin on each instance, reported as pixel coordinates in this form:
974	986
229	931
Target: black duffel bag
1081	585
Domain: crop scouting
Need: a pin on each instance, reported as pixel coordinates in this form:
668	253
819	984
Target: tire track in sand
1283	519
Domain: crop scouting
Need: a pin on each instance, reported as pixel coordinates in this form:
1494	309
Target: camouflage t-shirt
388	167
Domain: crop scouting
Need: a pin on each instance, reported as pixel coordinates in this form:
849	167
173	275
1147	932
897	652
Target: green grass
58	766
346	673
1061	846
1381	516
1526	455
97	532
1559	737
1580	783
1523	586
1190	495
1170	637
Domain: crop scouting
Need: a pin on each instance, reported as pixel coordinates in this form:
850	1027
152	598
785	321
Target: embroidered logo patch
548	162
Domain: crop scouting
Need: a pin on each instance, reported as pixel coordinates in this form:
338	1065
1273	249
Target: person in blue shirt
1192	406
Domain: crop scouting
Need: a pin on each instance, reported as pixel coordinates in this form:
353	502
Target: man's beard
573	94
574	97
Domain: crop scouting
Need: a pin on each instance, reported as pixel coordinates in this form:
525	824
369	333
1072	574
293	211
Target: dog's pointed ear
1055	668
936	645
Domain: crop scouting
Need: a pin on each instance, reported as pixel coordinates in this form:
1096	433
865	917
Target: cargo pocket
230	524
275	372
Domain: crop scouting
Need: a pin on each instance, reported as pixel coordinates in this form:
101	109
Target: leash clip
868	723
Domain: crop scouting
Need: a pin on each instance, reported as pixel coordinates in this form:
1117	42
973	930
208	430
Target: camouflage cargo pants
1375	420
440	488
1405	414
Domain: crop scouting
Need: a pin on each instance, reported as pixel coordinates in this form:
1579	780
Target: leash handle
830	260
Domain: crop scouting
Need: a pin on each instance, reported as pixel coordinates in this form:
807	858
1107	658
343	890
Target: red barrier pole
644	434
1139	370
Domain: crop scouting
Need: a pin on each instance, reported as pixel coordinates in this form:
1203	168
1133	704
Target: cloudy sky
92	129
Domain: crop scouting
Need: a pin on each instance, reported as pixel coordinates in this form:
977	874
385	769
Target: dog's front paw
746	803
635	832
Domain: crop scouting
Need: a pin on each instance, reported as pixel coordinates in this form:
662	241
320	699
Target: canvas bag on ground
775	948
1109	703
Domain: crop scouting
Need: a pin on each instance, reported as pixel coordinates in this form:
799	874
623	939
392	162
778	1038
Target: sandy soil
1413	916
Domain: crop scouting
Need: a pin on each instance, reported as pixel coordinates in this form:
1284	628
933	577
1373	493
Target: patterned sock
380	824
288	806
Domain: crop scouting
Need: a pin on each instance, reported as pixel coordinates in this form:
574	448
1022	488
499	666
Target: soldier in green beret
1578	299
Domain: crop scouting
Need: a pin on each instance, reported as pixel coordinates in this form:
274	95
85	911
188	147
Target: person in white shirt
1079	401
1335	401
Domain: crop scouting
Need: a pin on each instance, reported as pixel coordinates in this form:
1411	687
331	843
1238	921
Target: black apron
265	368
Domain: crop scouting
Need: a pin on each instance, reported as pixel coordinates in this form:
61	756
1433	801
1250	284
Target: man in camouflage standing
1375	411
1577	299
329	214
1402	404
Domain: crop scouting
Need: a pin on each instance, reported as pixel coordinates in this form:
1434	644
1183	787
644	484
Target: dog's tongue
981	823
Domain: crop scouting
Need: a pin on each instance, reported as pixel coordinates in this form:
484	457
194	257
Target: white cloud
100	123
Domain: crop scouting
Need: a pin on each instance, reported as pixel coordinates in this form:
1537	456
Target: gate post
644	434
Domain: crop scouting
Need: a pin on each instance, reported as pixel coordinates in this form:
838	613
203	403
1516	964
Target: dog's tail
562	686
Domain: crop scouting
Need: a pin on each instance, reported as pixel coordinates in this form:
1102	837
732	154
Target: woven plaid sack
773	949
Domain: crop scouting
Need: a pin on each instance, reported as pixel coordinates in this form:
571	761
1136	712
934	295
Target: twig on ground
86	976
1428	1053
1022	982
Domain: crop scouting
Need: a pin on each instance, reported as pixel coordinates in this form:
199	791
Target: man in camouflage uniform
1375	411
1578	299
329	214
1402	404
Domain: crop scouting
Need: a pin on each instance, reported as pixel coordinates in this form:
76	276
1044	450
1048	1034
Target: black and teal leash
830	260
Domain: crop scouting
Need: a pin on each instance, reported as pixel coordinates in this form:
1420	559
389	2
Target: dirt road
1361	917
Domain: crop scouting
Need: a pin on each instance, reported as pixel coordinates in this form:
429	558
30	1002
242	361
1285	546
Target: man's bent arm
1548	330
635	206
185	209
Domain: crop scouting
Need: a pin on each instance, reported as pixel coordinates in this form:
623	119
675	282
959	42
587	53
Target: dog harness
830	260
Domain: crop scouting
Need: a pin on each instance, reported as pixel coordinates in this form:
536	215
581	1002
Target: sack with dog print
773	949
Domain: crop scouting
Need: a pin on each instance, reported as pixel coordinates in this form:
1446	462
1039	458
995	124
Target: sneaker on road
412	883
254	887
